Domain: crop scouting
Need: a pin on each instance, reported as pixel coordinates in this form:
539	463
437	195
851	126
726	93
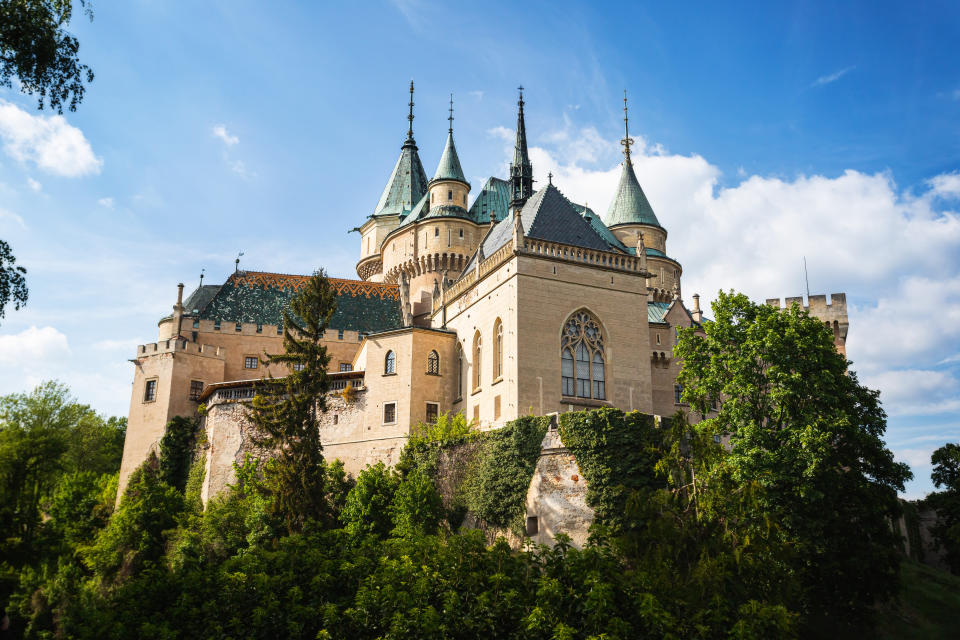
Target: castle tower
630	215
521	171
449	187
405	188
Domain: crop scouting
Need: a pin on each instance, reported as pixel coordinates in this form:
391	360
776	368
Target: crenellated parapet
833	315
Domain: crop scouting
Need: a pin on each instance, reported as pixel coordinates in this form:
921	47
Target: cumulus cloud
220	131
49	142
831	78
916	391
946	185
32	345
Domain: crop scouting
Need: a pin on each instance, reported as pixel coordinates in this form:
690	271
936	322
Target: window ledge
389	374
586	402
459	399
497	381
476	391
430	373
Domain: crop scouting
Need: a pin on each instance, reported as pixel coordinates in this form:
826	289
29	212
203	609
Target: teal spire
408	182
449	168
630	205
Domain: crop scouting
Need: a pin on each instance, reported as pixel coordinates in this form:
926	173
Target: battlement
818	307
181	346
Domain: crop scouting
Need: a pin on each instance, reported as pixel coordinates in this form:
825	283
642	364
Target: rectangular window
196	324
433	410
216	325
496	407
150	391
677	393
476	413
259	328
389	413
436	232
346	366
251	362
279	329
196	388
336	418
339	334
532	526
239	327
299	366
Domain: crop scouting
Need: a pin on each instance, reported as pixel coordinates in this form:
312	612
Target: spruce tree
286	411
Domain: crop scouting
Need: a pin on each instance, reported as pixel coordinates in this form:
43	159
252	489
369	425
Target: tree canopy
13	284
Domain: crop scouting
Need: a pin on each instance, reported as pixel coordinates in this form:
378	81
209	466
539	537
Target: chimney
697	313
178	311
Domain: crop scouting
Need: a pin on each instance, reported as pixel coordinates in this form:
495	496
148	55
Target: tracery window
433	363
477	344
582	369
390	363
497	349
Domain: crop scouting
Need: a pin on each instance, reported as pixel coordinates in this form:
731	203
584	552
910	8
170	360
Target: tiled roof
449	167
260	297
630	206
200	297
657	311
494	196
406	185
599	227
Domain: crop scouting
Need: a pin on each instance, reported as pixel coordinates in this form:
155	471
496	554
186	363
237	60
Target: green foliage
946	467
367	508
617	453
808	473
416	509
285	411
81	504
37	50
926	609
946	503
177	450
13	285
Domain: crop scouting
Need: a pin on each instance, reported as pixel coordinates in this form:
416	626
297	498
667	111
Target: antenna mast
806	278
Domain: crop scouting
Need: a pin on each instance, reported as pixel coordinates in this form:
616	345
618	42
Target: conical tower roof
449	167
408	182
630	205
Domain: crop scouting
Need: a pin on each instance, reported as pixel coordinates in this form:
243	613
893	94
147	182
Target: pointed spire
449	167
521	171
627	140
630	204
410	139
408	182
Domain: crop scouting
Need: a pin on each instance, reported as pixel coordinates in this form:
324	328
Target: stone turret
449	187
833	315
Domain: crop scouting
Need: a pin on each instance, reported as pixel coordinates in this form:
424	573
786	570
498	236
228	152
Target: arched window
433	363
477	344
497	349
390	363
582	371
459	371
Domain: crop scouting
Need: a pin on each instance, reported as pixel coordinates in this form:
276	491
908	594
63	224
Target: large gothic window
582	370
433	363
477	344
497	349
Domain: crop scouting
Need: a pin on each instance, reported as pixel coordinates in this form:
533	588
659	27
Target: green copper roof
260	297
494	196
630	206
449	167
657	311
406	185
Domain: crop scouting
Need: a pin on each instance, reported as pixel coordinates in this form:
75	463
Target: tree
806	439
417	508
285	411
13	285
36	49
946	467
946	473
367	509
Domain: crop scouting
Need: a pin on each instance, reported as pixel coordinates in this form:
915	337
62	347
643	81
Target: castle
521	302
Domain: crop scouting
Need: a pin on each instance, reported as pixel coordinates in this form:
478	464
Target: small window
346	366
436	232
450	195
433	363
339	334
433	410
239	327
677	393
279	329
299	366
259	328
216	325
196	388
716	439
658	338
336	418
496	407
389	412
150	391
390	363
476	413
251	362
196	324
432	199
464	199
533	526
461	233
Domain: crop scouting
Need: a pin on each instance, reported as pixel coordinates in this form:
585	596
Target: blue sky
766	133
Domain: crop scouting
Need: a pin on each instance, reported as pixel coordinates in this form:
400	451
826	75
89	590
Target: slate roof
494	196
630	206
601	228
260	297
200	297
449	167
407	183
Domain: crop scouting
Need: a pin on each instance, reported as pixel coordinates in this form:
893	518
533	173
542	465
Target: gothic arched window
459	371
497	349
477	344
433	363
582	370
390	362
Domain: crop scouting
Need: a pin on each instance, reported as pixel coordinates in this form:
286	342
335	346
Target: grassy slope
929	606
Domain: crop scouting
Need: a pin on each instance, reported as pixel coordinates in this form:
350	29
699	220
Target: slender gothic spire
410	139
521	171
408	182
630	204
450	130
627	140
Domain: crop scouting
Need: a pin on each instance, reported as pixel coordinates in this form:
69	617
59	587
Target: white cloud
33	344
239	167
501	133
34	185
106	202
946	185
48	141
129	345
10	215
220	131
833	77
916	457
916	391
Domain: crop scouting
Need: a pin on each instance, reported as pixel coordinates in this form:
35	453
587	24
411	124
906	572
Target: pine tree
286	411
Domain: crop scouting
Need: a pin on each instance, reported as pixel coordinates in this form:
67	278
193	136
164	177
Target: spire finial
451	114
627	140
410	116
520	101
550	177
